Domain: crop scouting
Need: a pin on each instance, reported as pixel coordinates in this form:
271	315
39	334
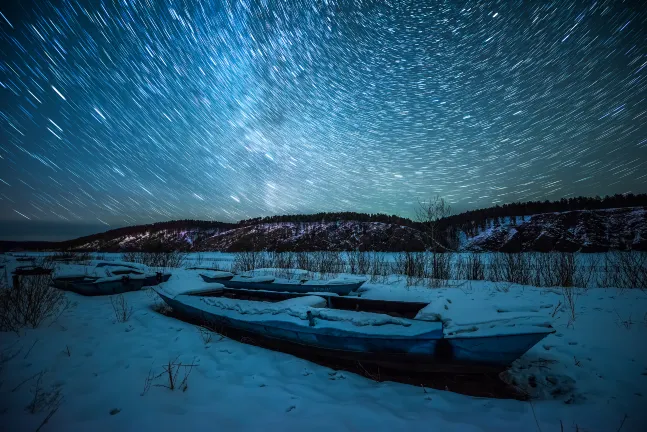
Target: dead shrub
120	306
162	260
358	262
29	301
170	376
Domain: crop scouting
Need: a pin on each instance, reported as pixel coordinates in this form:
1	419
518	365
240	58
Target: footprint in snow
572	343
290	408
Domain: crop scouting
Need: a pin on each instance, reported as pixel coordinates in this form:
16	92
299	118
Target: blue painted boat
64	282
108	286
156	279
340	327
336	286
216	276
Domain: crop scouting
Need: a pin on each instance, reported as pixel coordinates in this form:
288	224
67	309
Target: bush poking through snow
570	300
170	376
43	400
29	302
120	306
207	333
161	260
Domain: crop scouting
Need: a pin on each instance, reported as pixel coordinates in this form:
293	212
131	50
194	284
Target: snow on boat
216	276
389	333
269	283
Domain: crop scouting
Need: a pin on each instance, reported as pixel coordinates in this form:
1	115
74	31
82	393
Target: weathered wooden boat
31	271
64	282
378	332
108	285
268	283
156	279
216	276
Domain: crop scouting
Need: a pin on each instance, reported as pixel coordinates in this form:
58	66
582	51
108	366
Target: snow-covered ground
591	374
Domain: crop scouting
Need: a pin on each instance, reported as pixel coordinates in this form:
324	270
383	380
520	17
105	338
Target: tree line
469	222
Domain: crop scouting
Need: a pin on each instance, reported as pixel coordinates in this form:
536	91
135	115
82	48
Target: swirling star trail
129	111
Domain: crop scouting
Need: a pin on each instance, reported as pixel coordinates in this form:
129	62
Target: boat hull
340	289
429	352
106	288
156	279
215	279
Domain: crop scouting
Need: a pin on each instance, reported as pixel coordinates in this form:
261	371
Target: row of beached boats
327	319
106	278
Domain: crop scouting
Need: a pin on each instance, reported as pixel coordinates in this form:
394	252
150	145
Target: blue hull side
155	280
208	279
106	288
501	350
295	288
327	339
429	349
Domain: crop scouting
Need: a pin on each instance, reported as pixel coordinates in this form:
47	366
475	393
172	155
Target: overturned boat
390	333
269	283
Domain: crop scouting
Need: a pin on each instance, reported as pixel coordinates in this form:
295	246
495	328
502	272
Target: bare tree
429	214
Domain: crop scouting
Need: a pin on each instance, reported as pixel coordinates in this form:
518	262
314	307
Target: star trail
125	111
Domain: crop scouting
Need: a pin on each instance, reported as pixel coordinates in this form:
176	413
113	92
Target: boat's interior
392	308
126	271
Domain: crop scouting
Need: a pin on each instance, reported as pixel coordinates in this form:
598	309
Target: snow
468	320
217	274
296	314
309	301
589	374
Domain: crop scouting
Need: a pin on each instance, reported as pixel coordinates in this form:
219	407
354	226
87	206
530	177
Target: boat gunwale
403	309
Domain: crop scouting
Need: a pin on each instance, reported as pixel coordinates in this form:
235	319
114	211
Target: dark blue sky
123	112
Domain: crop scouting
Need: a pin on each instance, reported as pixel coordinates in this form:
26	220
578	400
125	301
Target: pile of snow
479	321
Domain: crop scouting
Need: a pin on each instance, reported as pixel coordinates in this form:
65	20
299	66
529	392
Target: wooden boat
64	282
378	332
31	271
266	283
107	286
156	279
216	276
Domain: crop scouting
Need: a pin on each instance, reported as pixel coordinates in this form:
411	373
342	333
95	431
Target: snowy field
87	371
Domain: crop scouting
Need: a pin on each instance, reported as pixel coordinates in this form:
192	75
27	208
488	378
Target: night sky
122	112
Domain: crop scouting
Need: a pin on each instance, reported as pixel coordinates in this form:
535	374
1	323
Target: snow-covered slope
585	230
